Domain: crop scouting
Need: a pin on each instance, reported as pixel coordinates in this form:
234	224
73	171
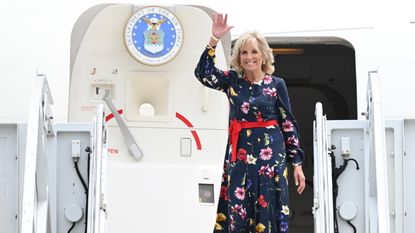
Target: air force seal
153	35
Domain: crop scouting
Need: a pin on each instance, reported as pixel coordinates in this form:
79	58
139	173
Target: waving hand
220	25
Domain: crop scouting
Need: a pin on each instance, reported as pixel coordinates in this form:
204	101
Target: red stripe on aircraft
194	133
180	117
110	116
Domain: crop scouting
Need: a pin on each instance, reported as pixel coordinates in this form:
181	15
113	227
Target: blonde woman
263	135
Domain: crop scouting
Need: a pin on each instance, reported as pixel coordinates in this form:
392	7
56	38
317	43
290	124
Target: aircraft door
180	126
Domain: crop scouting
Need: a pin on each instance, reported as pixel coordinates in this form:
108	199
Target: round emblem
153	35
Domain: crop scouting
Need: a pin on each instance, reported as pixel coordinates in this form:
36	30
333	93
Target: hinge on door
103	205
316	205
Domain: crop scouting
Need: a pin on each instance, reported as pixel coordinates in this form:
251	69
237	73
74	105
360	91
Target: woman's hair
263	46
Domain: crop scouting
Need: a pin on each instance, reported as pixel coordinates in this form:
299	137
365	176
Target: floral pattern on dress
254	189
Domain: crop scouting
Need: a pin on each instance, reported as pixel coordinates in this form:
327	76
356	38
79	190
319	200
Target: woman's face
251	57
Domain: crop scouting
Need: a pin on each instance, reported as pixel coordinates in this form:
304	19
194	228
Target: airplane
136	154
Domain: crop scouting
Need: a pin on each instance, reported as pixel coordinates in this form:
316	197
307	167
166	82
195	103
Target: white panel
409	174
352	183
394	155
68	186
8	179
163	180
65	187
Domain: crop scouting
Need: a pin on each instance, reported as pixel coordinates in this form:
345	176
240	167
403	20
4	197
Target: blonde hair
263	47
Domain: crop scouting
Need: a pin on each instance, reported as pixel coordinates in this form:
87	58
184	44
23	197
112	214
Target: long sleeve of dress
208	74
289	125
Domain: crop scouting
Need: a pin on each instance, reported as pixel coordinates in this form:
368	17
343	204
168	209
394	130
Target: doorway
315	69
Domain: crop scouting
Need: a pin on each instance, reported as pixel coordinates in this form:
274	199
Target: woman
263	136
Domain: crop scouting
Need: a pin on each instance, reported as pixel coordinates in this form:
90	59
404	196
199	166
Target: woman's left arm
288	124
289	129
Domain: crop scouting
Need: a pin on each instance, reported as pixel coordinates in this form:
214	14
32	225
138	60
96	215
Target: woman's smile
251	58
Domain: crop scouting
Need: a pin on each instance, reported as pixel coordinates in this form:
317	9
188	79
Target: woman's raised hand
220	25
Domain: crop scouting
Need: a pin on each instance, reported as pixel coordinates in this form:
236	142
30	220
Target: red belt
235	127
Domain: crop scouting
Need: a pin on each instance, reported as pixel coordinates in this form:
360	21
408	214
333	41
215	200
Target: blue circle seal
153	35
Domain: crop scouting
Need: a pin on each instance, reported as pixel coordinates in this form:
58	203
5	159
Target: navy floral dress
254	189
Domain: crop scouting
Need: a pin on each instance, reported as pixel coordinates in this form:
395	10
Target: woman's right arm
208	74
